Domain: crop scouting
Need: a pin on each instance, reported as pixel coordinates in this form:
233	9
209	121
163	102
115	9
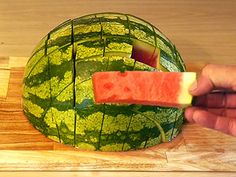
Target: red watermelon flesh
145	53
169	89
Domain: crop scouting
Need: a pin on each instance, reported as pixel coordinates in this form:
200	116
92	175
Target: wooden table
203	31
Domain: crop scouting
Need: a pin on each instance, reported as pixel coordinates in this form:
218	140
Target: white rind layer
188	78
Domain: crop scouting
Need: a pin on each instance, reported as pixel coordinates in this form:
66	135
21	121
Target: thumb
214	77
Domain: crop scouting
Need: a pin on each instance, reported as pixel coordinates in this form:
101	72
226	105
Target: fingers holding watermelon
205	117
215	103
217	99
215	77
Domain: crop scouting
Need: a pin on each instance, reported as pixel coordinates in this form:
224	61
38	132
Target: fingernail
193	86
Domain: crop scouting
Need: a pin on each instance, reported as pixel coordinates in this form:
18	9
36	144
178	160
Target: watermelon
58	93
168	89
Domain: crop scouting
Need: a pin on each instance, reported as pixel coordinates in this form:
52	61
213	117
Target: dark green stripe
168	44
43	57
179	61
45	103
60	26
86	21
59	42
119	39
37	123
88	37
65	133
177	124
93	44
127	132
56	71
167	57
135	25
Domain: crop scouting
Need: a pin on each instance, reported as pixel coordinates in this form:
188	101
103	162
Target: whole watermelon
58	94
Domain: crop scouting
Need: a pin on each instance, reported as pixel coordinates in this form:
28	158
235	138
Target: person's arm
215	92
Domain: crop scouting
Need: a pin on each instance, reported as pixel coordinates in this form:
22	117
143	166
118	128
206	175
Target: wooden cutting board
24	148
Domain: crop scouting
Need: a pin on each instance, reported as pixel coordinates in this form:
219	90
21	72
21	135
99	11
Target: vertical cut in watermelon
168	89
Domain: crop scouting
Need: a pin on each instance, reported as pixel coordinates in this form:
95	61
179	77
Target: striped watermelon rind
58	96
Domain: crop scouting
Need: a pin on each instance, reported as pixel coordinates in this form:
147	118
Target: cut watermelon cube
146	53
168	89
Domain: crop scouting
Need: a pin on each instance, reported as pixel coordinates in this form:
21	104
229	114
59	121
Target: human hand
215	104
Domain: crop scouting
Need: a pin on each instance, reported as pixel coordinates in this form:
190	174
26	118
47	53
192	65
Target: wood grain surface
203	31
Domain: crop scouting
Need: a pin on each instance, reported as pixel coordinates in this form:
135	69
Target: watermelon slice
169	89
